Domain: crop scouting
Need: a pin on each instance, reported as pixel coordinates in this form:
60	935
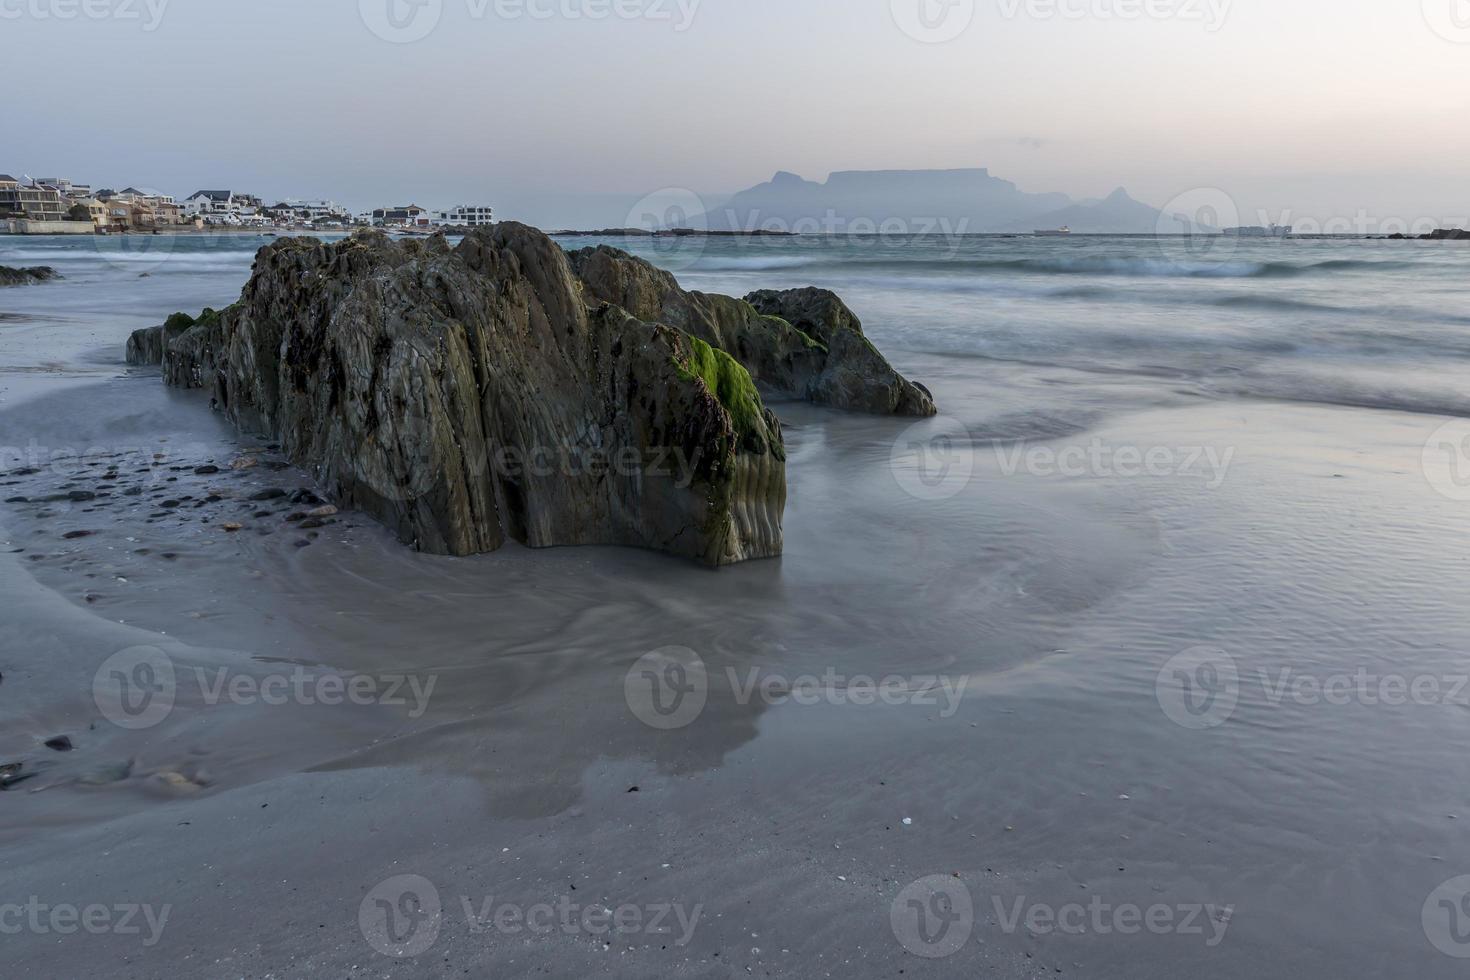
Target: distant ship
1052	232
1257	231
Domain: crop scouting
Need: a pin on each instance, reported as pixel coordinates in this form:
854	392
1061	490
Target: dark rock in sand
205	470
13	774
73	535
427	385
61	743
25	277
79	496
273	494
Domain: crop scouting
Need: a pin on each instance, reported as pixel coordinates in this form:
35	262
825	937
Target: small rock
232	528
73	535
80	495
206	470
326	511
61	743
274	493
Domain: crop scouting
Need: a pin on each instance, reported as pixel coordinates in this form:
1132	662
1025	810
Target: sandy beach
376	763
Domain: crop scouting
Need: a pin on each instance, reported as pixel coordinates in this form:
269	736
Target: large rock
801	342
469	395
24	277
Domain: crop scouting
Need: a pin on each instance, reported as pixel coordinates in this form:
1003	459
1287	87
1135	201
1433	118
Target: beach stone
60	743
274	493
10	276
411	377
205	470
73	535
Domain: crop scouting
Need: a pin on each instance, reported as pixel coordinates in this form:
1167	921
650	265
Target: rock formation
468	395
24	277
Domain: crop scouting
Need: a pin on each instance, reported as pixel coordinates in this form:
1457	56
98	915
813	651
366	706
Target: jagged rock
502	389
854	375
24	277
801	342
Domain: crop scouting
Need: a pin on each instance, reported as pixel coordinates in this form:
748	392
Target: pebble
60	743
274	493
205	470
73	535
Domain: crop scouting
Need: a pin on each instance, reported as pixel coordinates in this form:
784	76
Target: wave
1163	266
763	264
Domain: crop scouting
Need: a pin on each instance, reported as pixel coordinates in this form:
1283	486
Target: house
224	208
75	192
150	209
96	210
31	200
408	216
313	212
470	215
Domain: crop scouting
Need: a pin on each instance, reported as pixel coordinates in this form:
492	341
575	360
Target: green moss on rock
730	383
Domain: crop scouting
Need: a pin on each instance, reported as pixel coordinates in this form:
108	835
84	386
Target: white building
316	211
465	214
224	208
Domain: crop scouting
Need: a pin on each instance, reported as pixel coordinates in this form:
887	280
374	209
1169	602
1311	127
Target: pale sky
1316	106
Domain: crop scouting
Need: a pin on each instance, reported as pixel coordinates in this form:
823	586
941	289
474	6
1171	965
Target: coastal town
61	206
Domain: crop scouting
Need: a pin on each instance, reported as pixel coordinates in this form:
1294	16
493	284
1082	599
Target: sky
566	112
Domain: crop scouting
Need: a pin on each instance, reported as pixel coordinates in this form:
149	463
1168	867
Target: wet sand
780	836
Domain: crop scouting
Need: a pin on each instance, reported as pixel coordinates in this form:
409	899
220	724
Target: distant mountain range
926	202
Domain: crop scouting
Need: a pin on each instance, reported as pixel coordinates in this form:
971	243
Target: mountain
891	201
1115	214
